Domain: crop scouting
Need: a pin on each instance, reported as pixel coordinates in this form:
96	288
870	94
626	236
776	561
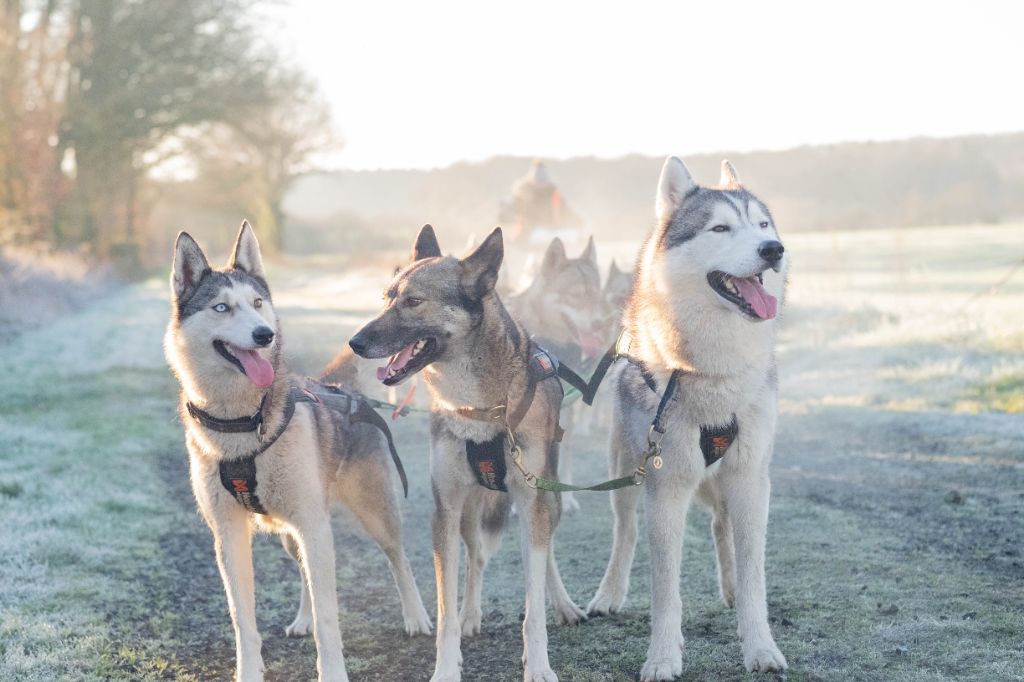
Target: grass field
895	538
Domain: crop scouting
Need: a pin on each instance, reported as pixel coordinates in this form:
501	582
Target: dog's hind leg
232	542
611	595
721	531
316	549
470	527
566	611
303	623
372	498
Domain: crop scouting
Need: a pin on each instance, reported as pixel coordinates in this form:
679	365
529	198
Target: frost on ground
37	285
894	543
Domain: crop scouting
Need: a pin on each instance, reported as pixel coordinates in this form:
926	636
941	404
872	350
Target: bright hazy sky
425	84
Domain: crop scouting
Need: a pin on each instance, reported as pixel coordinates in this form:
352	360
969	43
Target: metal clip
261	431
497	413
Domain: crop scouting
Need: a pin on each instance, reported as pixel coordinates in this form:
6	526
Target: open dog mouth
408	361
248	361
747	293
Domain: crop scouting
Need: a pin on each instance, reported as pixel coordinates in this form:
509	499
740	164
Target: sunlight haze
420	85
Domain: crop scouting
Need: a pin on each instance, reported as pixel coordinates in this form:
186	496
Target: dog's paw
417	623
728	597
764	657
302	626
662	669
447	676
568	613
470	622
569	503
448	667
546	675
604	603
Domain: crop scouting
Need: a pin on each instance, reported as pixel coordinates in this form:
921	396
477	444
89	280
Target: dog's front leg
668	497
747	494
449	501
316	547
538	515
232	533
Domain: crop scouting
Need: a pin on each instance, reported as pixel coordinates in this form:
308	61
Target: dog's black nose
771	251
357	344
263	336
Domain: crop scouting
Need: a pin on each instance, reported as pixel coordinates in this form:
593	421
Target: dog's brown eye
720	228
764	224
412	302
258	303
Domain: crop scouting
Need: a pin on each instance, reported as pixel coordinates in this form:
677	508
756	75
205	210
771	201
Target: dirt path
894	551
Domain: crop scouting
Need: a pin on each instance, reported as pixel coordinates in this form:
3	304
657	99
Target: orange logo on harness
486	466
721	442
240	484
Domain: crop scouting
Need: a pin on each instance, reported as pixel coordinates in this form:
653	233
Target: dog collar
253	422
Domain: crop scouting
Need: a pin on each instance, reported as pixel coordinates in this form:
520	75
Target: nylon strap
238	475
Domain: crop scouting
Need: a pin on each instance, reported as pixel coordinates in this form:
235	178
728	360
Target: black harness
714	440
238	475
487	459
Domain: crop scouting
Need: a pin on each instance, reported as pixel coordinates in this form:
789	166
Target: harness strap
659	417
238	475
360	411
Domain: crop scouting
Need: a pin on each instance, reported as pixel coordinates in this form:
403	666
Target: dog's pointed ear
613	270
554	256
673	186
590	252
480	268
190	265
426	245
729	179
246	254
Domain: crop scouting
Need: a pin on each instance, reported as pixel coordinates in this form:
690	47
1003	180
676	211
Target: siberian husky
262	460
703	308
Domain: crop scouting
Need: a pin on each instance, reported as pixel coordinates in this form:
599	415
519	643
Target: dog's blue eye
764	224
221	307
258	303
720	228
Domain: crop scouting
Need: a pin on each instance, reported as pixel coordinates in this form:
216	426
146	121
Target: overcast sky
425	84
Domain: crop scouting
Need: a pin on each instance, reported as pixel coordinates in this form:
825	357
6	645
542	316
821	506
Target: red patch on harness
240	484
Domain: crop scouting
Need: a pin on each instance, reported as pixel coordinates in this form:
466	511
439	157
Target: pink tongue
400	361
256	367
763	303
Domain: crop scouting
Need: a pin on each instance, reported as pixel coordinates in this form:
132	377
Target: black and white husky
703	308
224	344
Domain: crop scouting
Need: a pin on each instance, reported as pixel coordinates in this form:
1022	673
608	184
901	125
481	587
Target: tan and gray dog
443	317
701	323
564	307
224	344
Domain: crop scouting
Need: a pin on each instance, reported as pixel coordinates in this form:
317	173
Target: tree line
99	96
